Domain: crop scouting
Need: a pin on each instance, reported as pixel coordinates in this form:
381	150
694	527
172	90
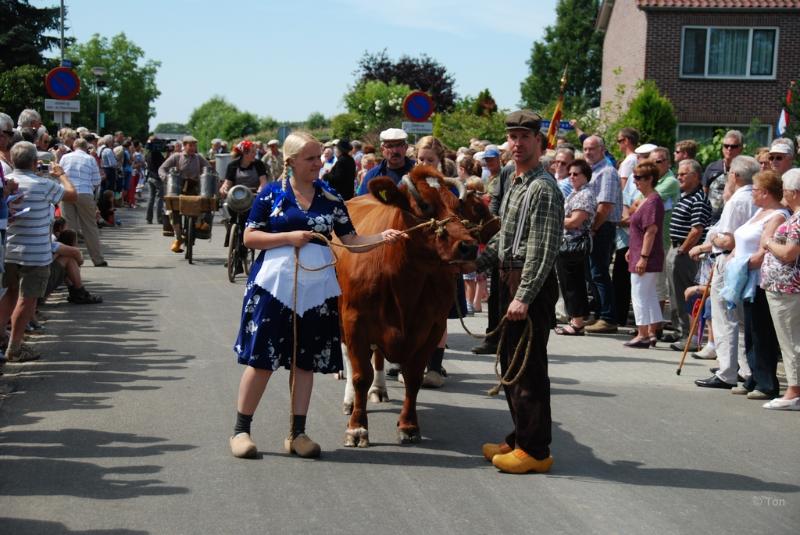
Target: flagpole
552	132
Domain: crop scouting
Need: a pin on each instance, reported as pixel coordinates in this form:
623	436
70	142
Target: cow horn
411	188
456	183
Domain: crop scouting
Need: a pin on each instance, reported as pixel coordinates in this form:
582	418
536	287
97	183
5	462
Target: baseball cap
646	148
782	146
491	153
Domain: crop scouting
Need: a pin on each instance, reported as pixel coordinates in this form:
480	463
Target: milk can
174	183
208	183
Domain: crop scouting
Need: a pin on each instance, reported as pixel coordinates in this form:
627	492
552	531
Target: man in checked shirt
525	250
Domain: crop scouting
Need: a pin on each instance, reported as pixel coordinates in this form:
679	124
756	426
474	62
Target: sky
287	59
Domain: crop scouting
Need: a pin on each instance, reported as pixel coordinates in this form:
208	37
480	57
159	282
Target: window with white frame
717	52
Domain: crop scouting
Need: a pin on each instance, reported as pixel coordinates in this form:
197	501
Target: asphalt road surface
122	428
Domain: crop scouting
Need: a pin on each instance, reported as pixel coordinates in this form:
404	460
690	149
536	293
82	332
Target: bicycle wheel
190	238
233	248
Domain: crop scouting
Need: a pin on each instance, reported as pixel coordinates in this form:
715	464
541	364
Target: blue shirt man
395	164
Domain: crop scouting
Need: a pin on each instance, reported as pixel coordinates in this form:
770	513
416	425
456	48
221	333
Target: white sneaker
781	404
707	353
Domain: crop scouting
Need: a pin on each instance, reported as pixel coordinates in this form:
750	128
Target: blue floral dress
265	339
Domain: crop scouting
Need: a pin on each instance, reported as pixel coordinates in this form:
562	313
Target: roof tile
718	4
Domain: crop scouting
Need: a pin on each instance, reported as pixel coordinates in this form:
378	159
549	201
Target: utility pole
62	32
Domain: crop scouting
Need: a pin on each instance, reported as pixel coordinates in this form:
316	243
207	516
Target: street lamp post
98	72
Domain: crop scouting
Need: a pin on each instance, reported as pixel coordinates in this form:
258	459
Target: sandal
570	330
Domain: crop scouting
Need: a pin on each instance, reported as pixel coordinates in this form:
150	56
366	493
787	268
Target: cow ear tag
383	195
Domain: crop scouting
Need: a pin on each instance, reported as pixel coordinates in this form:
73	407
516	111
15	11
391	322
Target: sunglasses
778	158
393	145
728	146
640	177
575	174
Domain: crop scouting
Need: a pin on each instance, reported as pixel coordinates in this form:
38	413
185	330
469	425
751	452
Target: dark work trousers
156	200
622	287
681	271
600	261
571	271
529	399
493	305
763	349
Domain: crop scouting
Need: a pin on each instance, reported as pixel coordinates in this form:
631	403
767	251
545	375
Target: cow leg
349	390
362	375
407	425
378	392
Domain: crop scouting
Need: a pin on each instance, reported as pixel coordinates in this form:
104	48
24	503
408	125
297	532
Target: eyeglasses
777	157
730	146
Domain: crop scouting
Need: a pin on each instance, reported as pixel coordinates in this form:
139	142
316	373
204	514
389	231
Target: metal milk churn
174	183
208	183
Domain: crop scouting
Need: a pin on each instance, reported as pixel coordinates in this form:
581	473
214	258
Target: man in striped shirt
28	248
691	217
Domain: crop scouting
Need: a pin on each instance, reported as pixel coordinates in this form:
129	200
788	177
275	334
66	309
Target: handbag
572	245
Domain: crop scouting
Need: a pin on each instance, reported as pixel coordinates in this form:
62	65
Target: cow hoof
340	376
409	436
378	395
347	407
358	437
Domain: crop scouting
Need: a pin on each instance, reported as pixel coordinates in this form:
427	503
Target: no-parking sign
62	83
418	106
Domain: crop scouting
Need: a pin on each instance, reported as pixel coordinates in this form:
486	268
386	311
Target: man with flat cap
395	164
190	165
525	250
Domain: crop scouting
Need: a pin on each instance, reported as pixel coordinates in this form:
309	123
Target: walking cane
695	321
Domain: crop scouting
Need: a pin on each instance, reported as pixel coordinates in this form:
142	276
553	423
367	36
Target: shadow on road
37	527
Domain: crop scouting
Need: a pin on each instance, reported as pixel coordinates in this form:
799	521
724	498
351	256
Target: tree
219	118
653	115
22	34
22	87
170	128
574	43
484	104
131	84
316	121
377	104
423	73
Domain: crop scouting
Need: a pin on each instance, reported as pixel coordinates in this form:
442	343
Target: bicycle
238	254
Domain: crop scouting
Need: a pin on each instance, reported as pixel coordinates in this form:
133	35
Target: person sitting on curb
66	266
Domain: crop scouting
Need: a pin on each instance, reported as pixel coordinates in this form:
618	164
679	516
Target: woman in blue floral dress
284	216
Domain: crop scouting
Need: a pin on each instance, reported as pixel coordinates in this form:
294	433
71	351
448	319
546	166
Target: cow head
474	213
422	197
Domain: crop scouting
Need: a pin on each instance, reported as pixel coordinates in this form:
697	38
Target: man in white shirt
83	172
736	212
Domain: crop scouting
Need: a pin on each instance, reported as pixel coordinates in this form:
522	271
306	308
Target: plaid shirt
541	232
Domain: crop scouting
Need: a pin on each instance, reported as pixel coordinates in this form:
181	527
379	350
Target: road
122	428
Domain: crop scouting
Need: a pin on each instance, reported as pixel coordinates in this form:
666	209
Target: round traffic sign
418	106
62	83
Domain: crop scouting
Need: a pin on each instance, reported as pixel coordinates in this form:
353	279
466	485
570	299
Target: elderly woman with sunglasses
645	255
780	279
580	208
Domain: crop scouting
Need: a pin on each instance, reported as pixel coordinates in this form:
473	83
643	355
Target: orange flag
552	132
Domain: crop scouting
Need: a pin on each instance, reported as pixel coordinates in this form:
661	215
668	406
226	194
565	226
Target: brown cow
395	298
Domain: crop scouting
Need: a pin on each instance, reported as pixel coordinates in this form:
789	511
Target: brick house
722	63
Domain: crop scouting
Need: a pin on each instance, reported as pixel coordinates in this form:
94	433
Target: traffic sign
418	106
61	105
417	128
62	83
